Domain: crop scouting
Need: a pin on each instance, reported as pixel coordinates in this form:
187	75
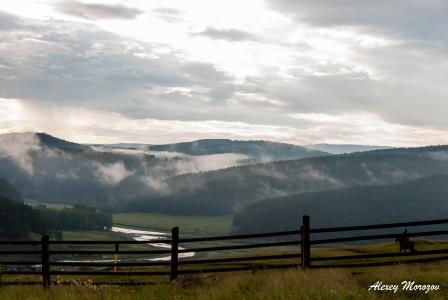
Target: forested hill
421	199
255	149
229	190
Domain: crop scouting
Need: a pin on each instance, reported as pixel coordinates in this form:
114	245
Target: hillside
420	199
226	191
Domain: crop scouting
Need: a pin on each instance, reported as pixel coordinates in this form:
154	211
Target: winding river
143	235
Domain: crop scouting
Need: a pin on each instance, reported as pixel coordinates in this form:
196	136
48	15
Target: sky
303	72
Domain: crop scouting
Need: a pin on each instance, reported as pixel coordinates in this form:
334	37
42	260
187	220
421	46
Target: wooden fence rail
42	258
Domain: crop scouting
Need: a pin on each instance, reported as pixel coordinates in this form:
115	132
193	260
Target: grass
91	236
286	284
189	225
385	247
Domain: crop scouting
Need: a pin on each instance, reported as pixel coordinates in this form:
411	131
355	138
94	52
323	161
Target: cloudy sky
309	71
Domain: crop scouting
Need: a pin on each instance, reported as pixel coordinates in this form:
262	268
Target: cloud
401	19
353	66
79	64
168	14
19	148
111	174
233	35
93	11
93	126
202	163
167	10
8	21
205	71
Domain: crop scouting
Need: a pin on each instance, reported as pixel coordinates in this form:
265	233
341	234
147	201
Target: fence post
301	246
45	261
117	248
306	247
174	252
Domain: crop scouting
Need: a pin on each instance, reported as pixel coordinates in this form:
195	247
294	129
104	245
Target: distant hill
344	148
421	199
260	150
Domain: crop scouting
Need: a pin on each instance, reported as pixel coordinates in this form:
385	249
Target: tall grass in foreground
287	284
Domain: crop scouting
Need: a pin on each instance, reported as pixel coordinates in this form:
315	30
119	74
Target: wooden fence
300	244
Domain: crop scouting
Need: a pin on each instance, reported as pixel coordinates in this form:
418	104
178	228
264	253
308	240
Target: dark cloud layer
97	11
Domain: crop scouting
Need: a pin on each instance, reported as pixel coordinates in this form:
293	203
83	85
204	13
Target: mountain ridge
48	169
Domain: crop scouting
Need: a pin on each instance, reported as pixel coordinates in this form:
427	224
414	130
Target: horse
405	243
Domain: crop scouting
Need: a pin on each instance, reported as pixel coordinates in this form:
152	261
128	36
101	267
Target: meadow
189	225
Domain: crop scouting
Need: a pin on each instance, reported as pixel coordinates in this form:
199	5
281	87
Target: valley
213	187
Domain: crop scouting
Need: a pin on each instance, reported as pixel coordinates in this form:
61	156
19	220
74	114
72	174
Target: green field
189	225
91	235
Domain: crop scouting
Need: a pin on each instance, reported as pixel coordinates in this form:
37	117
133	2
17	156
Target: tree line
17	219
